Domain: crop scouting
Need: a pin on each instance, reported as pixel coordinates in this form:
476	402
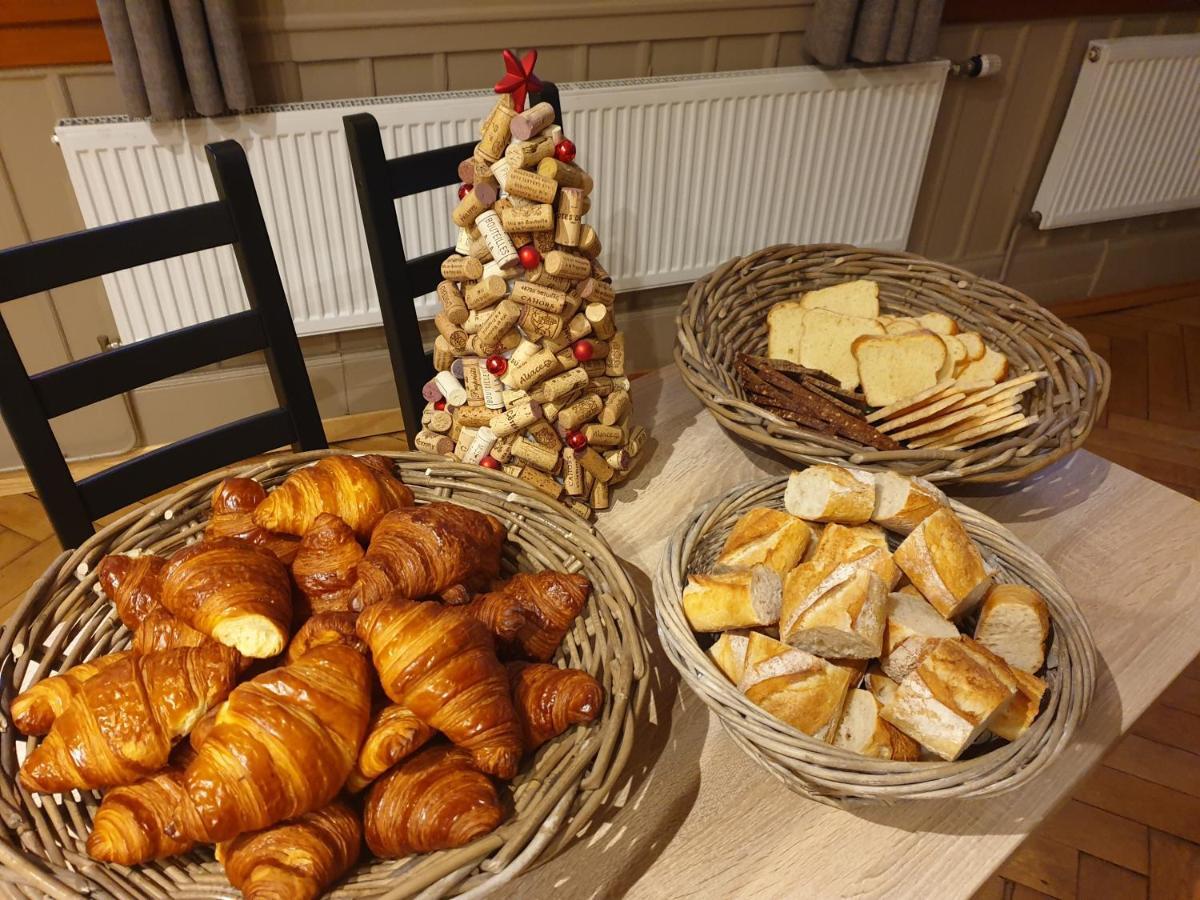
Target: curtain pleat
873	31
124	56
198	63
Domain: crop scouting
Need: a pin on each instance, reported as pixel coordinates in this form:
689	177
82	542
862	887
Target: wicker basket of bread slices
866	640
880	359
322	673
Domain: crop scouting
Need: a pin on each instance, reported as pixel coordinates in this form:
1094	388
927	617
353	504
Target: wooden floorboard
1101	880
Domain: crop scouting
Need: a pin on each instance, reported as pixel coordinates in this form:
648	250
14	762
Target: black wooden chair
28	402
398	281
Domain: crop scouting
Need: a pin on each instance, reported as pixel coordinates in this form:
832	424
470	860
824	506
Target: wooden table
700	819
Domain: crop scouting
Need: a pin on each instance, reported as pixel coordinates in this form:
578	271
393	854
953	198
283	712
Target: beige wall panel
621	60
408	74
1055	290
743	52
1148	260
679	57
792	51
1137	26
567	62
276	82
362	339
336	80
369	382
94	93
1039	264
85	315
471	70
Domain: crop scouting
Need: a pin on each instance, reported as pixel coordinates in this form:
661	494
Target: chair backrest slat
425	272
423	172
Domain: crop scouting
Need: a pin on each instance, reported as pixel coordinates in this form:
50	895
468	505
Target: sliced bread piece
784	323
1014	623
882	687
1015	717
902	502
938	322
740	599
846	622
863	731
972	341
729	653
903	325
913	629
827	493
992	366
825	341
851	298
894	367
764	536
943	562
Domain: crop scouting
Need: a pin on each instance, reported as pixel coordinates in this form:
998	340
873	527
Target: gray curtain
173	57
873	31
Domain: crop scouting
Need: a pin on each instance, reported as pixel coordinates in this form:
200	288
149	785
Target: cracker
953	433
924	412
929	426
902	406
998	432
1016	385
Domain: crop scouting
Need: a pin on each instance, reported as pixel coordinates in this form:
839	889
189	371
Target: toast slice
825	343
992	366
784	322
893	367
851	298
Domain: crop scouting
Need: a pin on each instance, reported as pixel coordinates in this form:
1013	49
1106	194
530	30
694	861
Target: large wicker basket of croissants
363	675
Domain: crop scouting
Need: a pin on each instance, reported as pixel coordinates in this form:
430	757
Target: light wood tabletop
699	818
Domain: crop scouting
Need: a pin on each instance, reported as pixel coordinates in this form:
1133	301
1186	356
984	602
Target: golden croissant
133	584
122	723
162	630
435	800
325	566
34	710
356	489
294	860
282	745
550	602
441	664
235	592
233	505
549	700
394	733
322	629
425	550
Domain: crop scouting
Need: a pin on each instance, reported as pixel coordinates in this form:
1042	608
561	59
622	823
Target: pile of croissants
288	692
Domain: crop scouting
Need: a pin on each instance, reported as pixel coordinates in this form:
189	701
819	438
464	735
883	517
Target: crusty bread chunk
951	697
882	687
803	690
1014	624
742	598
729	653
825	341
764	536
1015	717
851	298
943	562
896	366
863	731
784	322
991	368
902	502
846	622
827	493
913	629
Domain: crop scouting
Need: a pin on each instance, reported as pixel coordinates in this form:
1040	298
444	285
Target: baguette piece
882	687
784	324
826	339
805	691
846	622
729	653
913	629
738	599
873	535
769	537
851	298
1015	717
944	564
894	367
828	493
1014	624
951	697
864	731
902	502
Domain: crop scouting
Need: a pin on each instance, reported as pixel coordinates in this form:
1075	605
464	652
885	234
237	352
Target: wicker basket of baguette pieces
251	694
866	640
938	373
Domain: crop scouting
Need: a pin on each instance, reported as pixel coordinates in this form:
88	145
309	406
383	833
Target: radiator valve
982	65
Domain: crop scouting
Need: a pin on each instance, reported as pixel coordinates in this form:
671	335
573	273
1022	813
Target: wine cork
429	442
466	170
579	508
440	421
478	249
572	473
494	131
465	437
615	406
485	292
520	202
603	435
543	482
524	350
538	323
494	270
451	388
538	297
514	469
554	132
455	336
567	265
493	389
472	382
543	241
462	243
600	494
480	447
530	372
443	353
582	410
531	186
620	382
556	343
601	386
599	272
619	459
578	327
471	417
614	363
593	290
560	385
501	248
461	268
536	455
551	408
594	367
513	397
513	420
474	201
601	318
637	439
453	307
533	120
502	450
432	391
593	463
566	174
509	341
528	219
500	169
570	214
542	432
589	243
523	154
566	359
474	320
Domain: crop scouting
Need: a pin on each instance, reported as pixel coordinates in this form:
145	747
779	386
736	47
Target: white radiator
689	171
1130	144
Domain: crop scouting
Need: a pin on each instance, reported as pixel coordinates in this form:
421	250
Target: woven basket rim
1068	403
560	788
841	777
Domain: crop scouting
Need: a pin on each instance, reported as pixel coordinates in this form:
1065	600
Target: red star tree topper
519	79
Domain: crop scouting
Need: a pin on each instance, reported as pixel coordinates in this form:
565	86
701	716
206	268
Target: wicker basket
842	778
42	843
726	313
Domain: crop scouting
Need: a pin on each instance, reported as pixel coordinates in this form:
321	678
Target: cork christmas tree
530	361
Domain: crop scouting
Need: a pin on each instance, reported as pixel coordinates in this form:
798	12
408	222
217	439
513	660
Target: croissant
435	800
122	723
294	860
133	584
322	629
161	630
550	602
282	745
235	592
549	700
441	664
128	828
200	731
356	489
34	710
426	550
393	734
233	504
325	565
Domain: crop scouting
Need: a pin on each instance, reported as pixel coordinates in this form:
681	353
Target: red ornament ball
439	404
529	256
576	440
582	350
463	190
564	151
497	365
490	462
